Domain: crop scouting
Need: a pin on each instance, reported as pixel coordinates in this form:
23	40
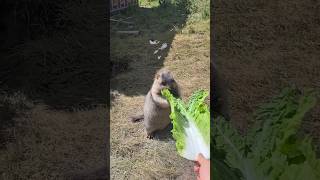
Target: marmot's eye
163	83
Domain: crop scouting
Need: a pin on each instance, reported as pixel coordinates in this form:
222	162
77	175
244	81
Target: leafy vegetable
272	149
191	124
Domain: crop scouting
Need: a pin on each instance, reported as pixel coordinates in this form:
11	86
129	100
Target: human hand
202	168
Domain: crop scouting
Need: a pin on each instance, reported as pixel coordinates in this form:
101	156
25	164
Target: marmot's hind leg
150	135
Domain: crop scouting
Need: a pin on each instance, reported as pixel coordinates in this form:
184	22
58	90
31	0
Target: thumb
200	158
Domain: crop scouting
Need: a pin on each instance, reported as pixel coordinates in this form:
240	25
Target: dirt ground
133	156
264	46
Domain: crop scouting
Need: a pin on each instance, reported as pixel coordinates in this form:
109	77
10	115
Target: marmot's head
164	79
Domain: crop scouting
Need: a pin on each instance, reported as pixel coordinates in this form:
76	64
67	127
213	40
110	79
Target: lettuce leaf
272	148
191	124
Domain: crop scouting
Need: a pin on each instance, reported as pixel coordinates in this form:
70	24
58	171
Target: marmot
156	109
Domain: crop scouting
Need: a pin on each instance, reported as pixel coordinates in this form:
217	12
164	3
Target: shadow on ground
133	55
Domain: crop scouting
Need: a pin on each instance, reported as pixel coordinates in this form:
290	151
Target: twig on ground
126	22
128	32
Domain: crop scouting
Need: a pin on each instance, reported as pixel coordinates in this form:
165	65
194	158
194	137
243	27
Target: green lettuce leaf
272	149
191	124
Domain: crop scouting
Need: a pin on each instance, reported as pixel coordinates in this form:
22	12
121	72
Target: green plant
191	124
197	9
272	149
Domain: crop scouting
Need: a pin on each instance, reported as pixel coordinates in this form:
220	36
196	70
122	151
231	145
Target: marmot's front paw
150	135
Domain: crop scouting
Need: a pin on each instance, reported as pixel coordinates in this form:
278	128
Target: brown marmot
156	109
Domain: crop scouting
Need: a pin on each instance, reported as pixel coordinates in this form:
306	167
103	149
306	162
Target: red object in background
116	5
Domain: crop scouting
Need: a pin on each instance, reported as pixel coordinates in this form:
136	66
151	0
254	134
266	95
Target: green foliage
197	9
272	149
191	124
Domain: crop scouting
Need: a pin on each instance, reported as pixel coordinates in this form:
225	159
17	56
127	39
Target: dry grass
133	156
